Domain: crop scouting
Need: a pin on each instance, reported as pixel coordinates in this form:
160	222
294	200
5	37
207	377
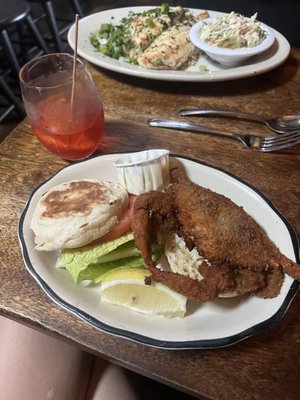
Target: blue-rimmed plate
214	324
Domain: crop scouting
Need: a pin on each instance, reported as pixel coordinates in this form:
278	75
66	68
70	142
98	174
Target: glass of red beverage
66	114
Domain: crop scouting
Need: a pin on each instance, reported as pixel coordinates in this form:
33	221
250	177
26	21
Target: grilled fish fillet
144	30
172	49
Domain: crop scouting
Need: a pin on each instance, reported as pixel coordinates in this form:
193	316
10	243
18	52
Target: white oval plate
214	324
264	62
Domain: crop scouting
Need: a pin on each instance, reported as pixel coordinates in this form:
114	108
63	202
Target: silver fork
254	142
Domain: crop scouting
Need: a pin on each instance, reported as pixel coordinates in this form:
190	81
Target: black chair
52	20
13	17
13	103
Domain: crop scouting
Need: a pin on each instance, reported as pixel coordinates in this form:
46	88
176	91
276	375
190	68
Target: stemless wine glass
66	114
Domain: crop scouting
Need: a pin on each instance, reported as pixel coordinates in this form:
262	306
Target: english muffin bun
76	213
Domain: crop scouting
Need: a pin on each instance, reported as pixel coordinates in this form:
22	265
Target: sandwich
88	222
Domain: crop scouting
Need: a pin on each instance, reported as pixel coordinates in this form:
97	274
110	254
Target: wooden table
266	366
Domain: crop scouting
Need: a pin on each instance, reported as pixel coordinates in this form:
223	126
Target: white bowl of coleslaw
231	39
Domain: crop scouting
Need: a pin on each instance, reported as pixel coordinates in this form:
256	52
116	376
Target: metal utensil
283	124
254	142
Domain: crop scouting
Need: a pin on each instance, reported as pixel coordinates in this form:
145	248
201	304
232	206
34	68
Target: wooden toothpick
74	60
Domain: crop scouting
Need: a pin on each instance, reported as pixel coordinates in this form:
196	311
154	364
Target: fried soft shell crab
238	256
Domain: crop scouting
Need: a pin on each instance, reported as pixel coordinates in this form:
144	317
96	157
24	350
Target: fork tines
280	142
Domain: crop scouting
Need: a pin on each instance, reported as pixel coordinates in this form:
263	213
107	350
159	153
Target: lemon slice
127	288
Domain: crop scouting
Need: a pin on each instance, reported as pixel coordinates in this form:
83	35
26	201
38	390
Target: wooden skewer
74	59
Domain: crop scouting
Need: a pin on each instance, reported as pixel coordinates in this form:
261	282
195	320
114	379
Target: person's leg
111	382
37	366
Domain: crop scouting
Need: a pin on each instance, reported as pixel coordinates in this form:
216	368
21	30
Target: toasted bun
77	212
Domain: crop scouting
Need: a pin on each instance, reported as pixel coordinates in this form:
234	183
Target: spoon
284	124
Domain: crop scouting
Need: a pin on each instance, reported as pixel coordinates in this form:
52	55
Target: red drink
64	109
70	138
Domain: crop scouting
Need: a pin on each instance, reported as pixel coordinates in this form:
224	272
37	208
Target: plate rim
180	76
143	339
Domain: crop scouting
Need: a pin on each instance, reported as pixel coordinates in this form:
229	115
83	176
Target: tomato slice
123	226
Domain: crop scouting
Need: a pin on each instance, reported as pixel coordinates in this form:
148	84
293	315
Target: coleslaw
233	31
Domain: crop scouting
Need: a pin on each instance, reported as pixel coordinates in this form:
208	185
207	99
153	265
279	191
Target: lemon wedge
127	288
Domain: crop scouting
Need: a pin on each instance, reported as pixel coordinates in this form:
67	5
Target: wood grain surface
263	367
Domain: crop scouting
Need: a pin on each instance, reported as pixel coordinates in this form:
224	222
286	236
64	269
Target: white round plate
213	324
264	62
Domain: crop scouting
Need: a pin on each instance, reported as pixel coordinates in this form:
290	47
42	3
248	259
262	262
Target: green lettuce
93	262
97	272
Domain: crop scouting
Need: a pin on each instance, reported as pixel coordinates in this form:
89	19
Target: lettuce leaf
77	260
96	272
93	262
